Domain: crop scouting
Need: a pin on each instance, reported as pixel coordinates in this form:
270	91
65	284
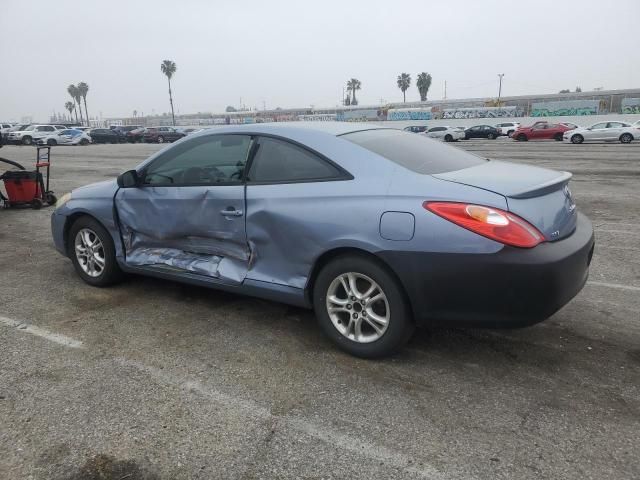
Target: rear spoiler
544	188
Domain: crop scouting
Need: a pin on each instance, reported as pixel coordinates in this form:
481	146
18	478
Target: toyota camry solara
378	230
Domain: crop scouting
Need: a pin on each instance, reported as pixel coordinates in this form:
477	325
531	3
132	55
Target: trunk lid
540	196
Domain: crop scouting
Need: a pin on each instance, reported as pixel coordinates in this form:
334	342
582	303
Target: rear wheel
160	139
84	142
51	142
92	252
557	137
27	140
577	138
510	133
448	138
626	138
362	307
491	136
521	137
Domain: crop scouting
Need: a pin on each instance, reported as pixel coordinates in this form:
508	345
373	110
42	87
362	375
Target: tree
135	113
404	82
423	83
70	106
578	89
230	109
83	89
353	85
565	90
72	90
168	67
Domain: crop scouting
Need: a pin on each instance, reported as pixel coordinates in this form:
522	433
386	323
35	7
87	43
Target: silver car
603	132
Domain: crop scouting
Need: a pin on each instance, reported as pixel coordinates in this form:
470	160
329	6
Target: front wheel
361	307
521	137
51	142
84	142
27	140
626	138
557	137
161	139
448	138
577	139
92	252
491	136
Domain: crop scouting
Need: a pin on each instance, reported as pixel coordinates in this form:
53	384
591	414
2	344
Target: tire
51	142
576	139
110	272
36	204
27	140
626	138
510	133
84	142
521	137
491	136
50	198
448	138
160	139
372	343
557	137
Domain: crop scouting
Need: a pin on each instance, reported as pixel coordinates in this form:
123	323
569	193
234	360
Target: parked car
136	135
482	131
541	131
416	128
569	124
604	132
161	135
32	133
507	128
448	134
375	228
123	130
636	124
65	137
105	135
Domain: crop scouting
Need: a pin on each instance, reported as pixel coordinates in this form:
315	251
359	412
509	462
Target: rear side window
415	152
280	161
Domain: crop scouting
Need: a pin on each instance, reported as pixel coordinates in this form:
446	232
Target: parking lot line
615	285
41	332
328	435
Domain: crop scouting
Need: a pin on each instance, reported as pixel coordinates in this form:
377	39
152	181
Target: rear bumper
511	288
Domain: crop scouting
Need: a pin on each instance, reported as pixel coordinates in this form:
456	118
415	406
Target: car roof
331	128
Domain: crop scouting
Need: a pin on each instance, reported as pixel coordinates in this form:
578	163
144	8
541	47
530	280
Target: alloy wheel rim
358	307
90	252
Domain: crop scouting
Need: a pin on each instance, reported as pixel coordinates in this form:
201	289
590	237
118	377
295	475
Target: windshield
418	153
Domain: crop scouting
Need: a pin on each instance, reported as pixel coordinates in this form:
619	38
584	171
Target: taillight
493	223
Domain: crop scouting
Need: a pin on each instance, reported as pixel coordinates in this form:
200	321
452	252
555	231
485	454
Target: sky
287	53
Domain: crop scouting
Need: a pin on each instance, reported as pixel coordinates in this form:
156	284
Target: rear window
415	152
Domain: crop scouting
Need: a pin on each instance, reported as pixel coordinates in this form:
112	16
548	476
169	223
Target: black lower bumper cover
514	287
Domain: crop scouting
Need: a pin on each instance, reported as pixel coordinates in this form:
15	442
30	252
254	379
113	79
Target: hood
105	188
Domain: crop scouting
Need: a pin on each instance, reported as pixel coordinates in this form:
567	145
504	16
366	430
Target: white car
448	134
507	128
603	132
32	133
70	136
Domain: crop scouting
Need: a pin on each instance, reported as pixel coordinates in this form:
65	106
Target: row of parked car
30	134
542	130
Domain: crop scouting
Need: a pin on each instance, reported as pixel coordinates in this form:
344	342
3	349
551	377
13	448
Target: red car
541	131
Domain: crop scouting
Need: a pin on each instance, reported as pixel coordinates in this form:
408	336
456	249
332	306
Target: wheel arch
333	253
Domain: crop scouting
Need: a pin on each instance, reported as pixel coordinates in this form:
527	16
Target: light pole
500	75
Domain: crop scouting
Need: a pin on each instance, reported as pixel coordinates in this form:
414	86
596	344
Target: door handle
231	212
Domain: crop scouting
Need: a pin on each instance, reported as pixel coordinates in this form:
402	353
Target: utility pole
500	75
445	90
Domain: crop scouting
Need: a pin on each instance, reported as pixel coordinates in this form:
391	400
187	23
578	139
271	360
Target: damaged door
187	214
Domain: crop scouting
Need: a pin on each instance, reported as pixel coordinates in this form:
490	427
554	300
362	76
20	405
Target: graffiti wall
320	117
565	107
408	114
482	112
363	115
631	105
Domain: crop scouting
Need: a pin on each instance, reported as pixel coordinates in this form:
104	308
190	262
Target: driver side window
209	160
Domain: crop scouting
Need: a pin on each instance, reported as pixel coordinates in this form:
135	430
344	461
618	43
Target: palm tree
404	82
83	89
72	90
353	85
423	83
168	67
70	106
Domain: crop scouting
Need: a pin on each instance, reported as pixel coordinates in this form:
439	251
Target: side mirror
128	179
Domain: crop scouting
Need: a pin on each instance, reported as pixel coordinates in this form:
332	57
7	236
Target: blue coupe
377	229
